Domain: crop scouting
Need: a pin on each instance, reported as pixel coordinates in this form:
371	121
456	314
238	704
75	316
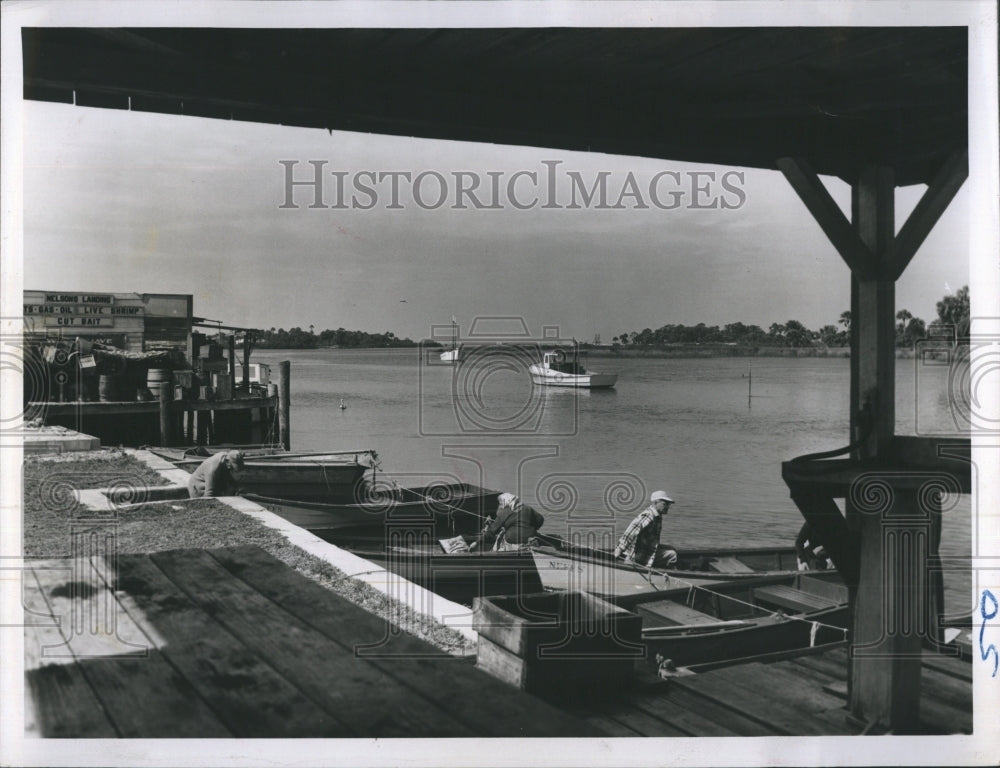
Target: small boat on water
556	371
451	356
720	623
563	565
439	510
267	471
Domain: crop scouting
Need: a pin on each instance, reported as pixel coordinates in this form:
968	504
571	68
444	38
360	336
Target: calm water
591	459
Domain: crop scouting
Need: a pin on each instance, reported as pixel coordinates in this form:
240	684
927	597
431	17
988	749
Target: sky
118	201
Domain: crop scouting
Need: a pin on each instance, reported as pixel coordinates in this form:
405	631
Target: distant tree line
297	338
952	321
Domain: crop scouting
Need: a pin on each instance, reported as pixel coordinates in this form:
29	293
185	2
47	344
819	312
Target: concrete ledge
166	470
55	439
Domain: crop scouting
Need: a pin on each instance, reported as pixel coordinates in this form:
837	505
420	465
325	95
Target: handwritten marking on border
986	651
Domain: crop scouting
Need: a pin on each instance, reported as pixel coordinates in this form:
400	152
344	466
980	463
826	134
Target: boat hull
546	377
565	567
460	577
308	476
440	511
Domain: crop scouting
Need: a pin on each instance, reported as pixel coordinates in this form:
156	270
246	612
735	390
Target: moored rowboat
563	565
319	476
458	576
716	623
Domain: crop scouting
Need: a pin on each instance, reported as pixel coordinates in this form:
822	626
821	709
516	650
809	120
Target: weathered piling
284	404
166	394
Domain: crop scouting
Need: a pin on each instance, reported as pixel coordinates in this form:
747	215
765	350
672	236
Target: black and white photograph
502	383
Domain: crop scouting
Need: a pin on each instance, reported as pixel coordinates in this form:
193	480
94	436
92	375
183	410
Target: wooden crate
558	644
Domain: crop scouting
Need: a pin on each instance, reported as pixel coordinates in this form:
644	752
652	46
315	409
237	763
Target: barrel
106	389
156	377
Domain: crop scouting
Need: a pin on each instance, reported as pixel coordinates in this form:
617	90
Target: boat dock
233	643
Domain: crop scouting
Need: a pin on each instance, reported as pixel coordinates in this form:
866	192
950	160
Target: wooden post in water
284	401
166	399
232	367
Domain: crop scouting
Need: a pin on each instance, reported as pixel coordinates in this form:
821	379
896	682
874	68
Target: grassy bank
50	511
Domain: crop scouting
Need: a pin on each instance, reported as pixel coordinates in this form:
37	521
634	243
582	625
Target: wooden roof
837	97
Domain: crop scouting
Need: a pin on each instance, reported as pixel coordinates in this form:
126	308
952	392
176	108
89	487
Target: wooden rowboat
435	511
458	576
318	476
709	625
564	565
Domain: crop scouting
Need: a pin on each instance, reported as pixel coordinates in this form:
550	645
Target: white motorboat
451	356
556	371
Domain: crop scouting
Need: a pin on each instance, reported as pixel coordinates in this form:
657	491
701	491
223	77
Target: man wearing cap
215	475
640	543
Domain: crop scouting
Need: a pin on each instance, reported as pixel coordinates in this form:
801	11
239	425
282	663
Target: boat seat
791	598
668	613
730	565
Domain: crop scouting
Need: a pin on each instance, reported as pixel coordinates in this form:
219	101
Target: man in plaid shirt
640	543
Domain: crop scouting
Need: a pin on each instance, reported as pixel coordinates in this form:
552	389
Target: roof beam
828	215
932	205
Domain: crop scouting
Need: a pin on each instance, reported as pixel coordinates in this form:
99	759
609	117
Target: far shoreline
652	353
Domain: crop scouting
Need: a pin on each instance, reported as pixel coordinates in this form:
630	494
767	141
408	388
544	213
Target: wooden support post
232	367
884	680
873	317
284	401
166	394
246	360
891	618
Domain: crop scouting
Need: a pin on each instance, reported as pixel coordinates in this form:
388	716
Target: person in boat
214	476
640	544
810	551
514	526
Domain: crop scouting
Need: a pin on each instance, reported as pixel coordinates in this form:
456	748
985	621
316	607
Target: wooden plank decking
801	696
232	642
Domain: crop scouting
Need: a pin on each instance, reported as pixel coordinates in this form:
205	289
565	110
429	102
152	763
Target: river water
712	432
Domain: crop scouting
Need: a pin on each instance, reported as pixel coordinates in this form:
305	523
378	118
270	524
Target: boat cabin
556	361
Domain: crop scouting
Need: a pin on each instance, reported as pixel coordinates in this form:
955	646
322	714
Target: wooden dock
234	643
801	696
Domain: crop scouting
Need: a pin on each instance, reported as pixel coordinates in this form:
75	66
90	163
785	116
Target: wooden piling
232	367
166	423
284	401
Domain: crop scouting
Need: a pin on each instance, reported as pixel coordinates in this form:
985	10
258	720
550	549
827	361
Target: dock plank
146	698
948	665
243	690
64	704
118	672
611	727
689	721
91	621
759	702
796	689
446	684
719	716
331	676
